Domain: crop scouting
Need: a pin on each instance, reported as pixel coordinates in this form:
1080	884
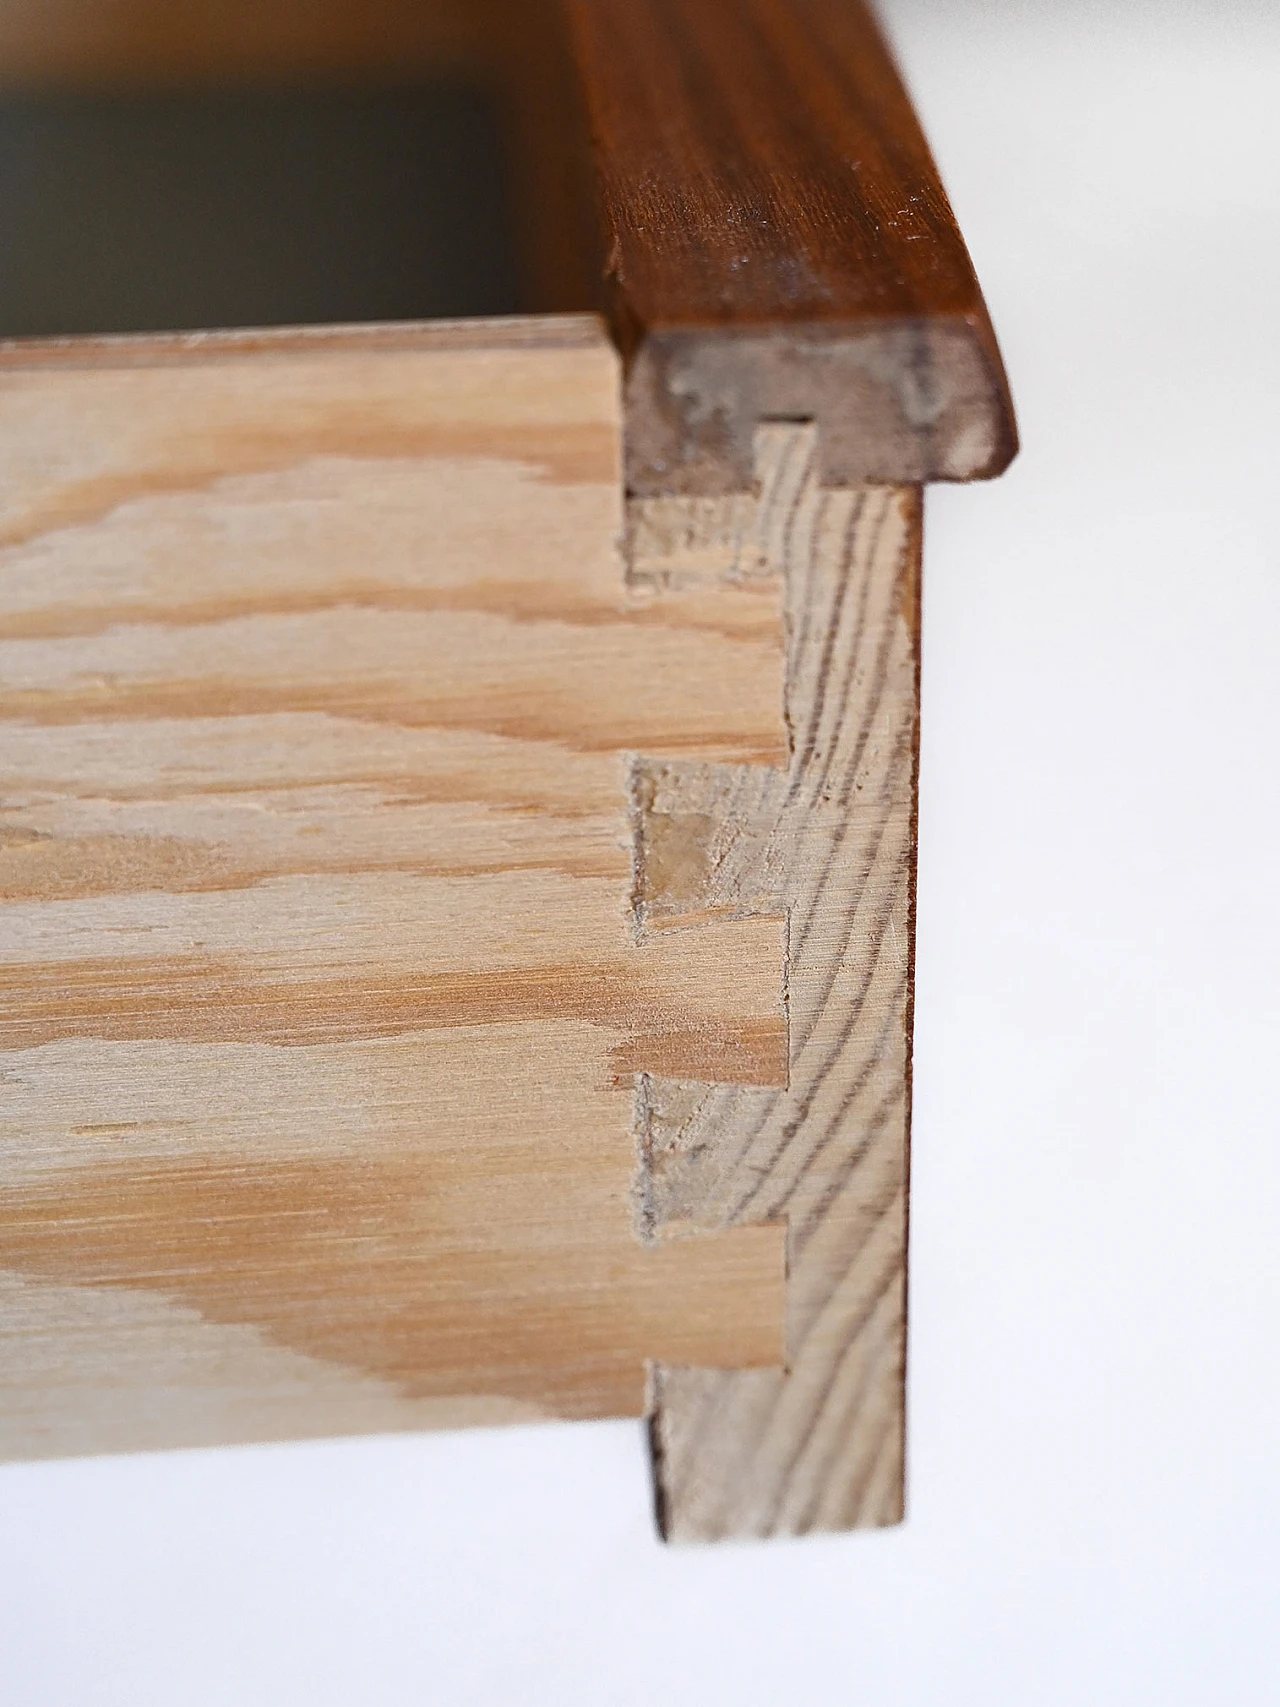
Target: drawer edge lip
578	331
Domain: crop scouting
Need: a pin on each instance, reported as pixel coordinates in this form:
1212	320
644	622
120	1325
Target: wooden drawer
458	826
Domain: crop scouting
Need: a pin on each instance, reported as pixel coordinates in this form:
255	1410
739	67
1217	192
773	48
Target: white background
1095	1301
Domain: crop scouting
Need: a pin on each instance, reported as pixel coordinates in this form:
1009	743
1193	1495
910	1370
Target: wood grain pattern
831	841
451	964
324	999
779	245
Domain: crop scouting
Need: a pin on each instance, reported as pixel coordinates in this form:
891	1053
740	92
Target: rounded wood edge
896	402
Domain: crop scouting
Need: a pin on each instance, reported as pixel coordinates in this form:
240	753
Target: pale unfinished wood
830	841
325	996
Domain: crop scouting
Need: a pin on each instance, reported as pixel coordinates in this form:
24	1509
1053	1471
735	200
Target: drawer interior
290	162
155	210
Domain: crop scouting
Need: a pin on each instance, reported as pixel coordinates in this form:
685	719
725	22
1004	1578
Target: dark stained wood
779	245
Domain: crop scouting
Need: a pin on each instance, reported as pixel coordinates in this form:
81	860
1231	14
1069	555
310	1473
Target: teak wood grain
457	782
779	245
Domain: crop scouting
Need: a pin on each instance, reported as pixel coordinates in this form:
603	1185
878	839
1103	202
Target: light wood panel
322	691
830	841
